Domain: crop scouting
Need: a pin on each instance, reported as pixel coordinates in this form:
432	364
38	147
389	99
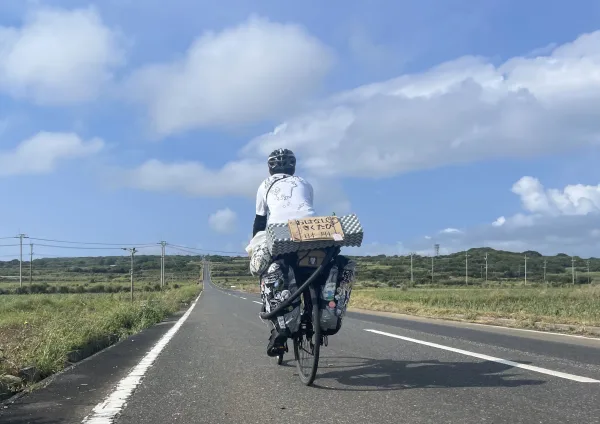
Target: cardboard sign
316	228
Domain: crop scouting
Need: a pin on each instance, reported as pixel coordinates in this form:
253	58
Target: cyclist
281	197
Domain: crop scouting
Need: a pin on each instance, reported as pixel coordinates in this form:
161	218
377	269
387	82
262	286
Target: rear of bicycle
321	286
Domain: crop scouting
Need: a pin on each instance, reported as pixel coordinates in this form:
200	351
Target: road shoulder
69	395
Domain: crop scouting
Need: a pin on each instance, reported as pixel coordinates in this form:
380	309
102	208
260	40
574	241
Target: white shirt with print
290	197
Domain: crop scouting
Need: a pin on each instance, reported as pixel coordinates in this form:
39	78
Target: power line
9	245
180	249
80	248
205	250
93	243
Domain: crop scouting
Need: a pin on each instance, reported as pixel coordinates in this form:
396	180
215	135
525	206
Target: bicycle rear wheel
307	344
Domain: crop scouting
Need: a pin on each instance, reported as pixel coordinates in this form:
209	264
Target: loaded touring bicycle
310	302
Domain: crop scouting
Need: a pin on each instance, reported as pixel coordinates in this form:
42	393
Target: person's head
282	161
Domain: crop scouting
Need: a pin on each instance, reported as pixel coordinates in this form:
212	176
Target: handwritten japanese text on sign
316	228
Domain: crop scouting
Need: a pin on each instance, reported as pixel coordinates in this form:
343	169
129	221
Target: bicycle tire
308	375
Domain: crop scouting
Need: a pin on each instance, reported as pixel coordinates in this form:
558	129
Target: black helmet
282	161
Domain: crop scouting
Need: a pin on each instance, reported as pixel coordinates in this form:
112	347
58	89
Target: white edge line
491	358
106	411
533	331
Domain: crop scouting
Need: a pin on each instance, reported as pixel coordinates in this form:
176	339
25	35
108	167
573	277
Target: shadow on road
24	419
365	374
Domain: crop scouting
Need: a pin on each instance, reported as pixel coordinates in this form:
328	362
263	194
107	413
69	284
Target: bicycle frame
331	252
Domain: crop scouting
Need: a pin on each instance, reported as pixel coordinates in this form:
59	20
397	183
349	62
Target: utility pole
588	271
486	267
21	237
432	269
545	262
30	264
412	280
466	268
132	251
573	270
162	263
525	269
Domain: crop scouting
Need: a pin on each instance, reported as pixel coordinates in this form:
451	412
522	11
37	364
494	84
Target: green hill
387	270
501	266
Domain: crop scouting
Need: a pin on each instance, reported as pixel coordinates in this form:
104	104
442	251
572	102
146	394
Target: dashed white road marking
106	411
491	358
243	298
255	301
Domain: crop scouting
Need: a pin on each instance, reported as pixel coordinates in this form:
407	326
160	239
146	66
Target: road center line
491	358
107	410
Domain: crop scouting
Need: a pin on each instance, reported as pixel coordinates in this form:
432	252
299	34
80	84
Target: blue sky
459	122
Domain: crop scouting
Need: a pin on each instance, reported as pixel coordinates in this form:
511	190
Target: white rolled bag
259	254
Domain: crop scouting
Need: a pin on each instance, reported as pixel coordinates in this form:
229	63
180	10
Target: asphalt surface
215	370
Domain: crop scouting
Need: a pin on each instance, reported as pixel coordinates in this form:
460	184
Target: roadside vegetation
41	333
544	298
73	307
526	307
76	304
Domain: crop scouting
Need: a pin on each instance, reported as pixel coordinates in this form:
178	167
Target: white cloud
42	153
256	70
554	220
235	178
575	199
223	221
194	179
462	111
450	231
499	222
58	56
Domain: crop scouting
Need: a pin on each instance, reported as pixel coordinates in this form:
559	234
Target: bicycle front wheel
307	344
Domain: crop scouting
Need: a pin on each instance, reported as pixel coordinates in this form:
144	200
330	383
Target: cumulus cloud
239	178
552	221
236	178
450	231
256	70
575	199
58	56
42	153
223	221
461	111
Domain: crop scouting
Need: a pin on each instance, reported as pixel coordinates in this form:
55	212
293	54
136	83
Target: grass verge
527	307
40	330
247	286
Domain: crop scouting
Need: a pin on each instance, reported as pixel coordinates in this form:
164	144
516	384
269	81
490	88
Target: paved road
215	370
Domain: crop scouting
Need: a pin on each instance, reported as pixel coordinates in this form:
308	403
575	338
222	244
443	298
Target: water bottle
329	288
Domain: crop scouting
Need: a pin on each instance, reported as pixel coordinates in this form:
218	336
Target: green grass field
507	299
40	329
569	305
